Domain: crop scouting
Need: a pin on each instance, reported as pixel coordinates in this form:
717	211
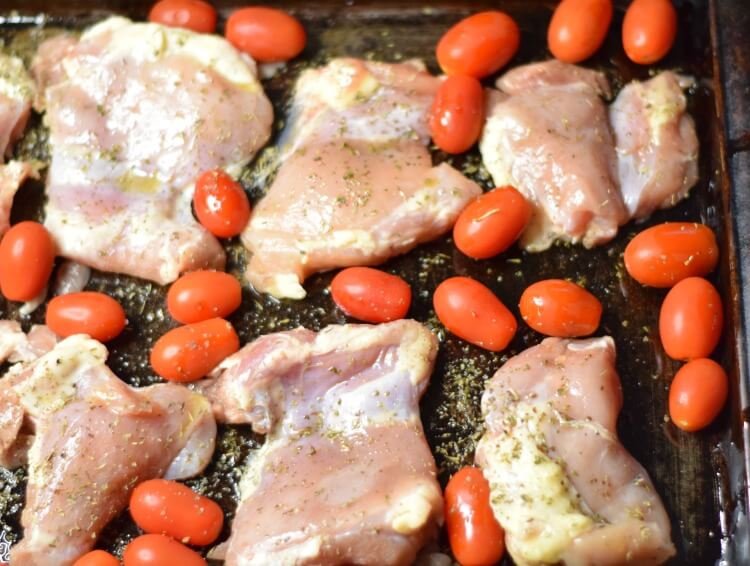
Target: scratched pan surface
701	477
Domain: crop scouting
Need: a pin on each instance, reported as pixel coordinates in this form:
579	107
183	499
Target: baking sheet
701	477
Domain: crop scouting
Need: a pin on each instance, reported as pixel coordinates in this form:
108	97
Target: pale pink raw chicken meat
562	485
657	147
16	93
345	476
88	439
136	112
356	184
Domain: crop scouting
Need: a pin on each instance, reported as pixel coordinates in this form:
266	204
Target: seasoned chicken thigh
657	147
563	487
345	476
356	183
136	112
547	135
16	93
88	439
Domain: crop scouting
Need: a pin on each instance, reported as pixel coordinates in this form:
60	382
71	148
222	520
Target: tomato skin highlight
691	319
457	114
475	536
491	223
697	394
578	29
190	352
221	204
267	34
27	255
194	15
200	295
159	550
97	558
556	307
648	30
472	312
370	294
479	45
665	254
88	312
170	508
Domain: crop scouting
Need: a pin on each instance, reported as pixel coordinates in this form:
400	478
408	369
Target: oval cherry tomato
88	312
171	508
663	255
691	319
472	312
479	45
475	536
370	294
491	223
697	394
97	558
190	352
578	28
560	308
201	295
221	204
268	35
194	15
457	114
648	30
27	255
159	550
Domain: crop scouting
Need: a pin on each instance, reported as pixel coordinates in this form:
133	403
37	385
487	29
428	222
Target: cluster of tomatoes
482	44
172	515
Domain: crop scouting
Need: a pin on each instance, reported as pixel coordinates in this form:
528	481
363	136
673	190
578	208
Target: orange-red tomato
88	312
171	508
221	204
479	45
457	114
97	558
27	255
665	254
159	550
578	28
267	34
472	312
190	352
475	536
560	308
194	15
691	319
648	30
370	294
491	223
697	394
201	295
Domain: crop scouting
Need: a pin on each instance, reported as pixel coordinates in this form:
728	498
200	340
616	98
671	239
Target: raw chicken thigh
88	439
16	93
657	148
345	476
136	112
562	485
547	134
356	183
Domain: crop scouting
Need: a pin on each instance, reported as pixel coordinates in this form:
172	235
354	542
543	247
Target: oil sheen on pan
684	468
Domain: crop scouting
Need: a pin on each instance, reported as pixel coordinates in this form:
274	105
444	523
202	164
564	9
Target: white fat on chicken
345	476
88	439
136	112
561	484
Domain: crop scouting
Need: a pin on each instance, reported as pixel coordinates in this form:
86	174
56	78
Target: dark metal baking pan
701	477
